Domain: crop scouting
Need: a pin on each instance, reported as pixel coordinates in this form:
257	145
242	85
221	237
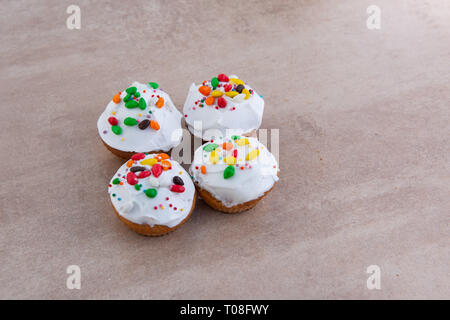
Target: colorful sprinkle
138	156
116	98
228	172
154	85
204	90
160	102
154	125
157	170
113	121
151	193
131	90
131	178
210	147
116	129
177	188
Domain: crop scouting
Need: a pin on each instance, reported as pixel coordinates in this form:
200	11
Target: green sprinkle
130	121
154	85
116	129
214	82
151	193
142	104
116	181
210	147
131	90
127	98
235	137
131	104
137	94
113	194
229	172
137	187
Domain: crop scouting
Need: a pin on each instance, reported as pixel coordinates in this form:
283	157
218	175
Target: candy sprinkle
116	129
229	172
116	98
154	85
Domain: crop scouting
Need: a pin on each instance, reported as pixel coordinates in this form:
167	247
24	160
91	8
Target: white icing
134	205
133	139
258	176
246	116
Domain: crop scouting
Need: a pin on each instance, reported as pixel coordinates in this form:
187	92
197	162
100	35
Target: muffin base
127	154
156	230
219	206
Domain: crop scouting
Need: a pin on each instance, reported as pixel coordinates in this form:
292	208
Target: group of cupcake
152	193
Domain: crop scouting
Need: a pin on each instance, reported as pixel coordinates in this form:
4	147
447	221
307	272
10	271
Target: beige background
365	164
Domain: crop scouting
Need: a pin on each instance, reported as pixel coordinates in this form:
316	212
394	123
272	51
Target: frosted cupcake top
234	170
141	118
152	189
223	103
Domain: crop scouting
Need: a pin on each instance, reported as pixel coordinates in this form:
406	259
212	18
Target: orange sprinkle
154	125
203	169
163	156
227	146
209	101
160	102
130	163
166	165
121	183
116	98
242	168
204	90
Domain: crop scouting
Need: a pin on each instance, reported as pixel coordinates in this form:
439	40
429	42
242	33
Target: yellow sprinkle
181	172
230	160
214	157
140	114
149	162
217	93
123	139
242	142
231	94
236	81
162	207
247	93
252	155
114	113
181	209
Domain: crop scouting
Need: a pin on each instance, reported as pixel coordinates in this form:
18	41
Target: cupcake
152	194
141	118
221	104
232	175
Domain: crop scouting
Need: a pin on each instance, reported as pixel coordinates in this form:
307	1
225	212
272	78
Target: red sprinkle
113	121
223	77
221	102
131	178
138	156
235	153
227	87
157	170
177	188
143	174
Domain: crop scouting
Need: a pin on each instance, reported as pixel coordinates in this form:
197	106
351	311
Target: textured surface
364	156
